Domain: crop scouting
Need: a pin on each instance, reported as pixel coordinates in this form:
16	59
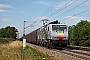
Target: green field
14	51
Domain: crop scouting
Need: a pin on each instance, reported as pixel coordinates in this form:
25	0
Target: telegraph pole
24	39
24	28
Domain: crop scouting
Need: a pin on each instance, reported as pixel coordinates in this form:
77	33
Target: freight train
53	34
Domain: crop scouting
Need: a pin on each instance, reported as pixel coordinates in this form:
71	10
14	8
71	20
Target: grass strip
18	53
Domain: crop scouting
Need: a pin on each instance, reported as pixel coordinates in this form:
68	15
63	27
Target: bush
82	43
87	43
73	43
6	40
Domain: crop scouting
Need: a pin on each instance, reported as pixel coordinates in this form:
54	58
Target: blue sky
14	12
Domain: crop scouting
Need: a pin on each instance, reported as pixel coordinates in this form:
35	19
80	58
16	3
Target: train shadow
54	47
60	48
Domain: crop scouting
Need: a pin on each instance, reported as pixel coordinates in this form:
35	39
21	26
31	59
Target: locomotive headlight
65	38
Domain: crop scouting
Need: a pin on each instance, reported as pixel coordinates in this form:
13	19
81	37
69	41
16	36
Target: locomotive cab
58	34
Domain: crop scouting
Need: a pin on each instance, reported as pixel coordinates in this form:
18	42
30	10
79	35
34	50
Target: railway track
77	54
87	53
81	53
79	48
66	54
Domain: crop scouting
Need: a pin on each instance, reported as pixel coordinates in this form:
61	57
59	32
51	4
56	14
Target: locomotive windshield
59	27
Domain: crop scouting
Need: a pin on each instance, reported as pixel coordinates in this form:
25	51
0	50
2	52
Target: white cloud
21	11
73	17
74	20
3	10
5	20
5	6
63	3
39	18
56	5
43	3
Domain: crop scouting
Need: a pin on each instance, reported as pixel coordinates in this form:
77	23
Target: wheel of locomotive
66	45
44	44
47	45
51	45
40	43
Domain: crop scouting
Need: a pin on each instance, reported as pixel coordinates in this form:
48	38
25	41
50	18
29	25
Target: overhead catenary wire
51	7
38	23
63	7
30	25
34	24
60	8
40	18
54	6
76	14
75	7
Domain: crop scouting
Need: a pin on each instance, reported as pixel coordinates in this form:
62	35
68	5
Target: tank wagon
52	35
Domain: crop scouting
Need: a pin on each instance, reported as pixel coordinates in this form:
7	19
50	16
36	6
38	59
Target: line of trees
8	34
80	33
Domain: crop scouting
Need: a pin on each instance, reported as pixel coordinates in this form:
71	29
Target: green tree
80	33
8	32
